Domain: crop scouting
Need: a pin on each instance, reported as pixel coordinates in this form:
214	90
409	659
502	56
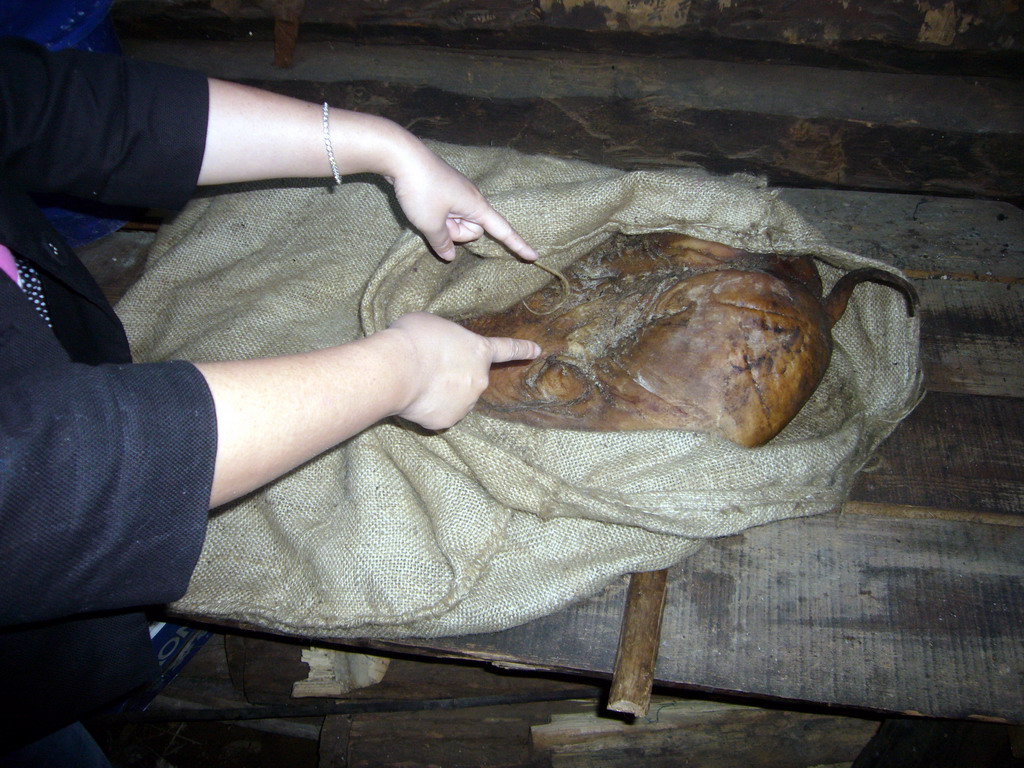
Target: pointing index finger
497	226
504	349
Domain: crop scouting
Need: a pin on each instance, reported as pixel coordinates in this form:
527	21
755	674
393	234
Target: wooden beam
705	85
333	749
708	734
287	18
820	127
909	512
933	28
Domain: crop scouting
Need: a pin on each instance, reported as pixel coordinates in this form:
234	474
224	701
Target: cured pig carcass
664	331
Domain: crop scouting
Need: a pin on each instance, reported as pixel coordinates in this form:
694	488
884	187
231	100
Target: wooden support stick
287	15
639	641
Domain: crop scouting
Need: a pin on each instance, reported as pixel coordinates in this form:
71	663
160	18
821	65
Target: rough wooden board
852	129
878	56
264	672
940	236
908	512
933	27
487	737
703	734
967	257
266	667
638	133
205	683
943	237
334	737
921	615
794	21
804	92
973	338
916	616
952	452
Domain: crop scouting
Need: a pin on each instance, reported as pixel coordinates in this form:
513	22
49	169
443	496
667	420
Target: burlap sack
490	524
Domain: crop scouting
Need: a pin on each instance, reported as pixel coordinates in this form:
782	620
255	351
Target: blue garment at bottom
71	747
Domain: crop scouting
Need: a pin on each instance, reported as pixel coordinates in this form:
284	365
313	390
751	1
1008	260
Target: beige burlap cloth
490	524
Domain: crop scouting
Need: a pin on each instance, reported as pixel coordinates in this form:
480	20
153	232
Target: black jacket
105	466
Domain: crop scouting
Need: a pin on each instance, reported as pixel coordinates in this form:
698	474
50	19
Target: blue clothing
70	747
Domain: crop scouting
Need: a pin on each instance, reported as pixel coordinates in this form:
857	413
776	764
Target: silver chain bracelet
328	146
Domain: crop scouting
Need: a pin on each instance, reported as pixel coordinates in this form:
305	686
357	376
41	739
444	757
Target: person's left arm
254	134
128	132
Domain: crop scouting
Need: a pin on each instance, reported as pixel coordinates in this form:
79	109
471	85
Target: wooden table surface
911	597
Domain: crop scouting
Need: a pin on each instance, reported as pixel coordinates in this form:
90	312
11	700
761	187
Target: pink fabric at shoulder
8	264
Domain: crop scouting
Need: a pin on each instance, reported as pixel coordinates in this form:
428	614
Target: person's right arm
106	470
275	413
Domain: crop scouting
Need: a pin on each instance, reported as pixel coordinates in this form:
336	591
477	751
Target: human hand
447	208
448	367
255	134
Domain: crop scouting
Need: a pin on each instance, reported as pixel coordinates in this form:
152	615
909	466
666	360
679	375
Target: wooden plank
973	336
706	85
707	734
917	616
266	669
805	22
925	235
967	260
828	23
487	737
952	452
334	741
631	113
908	512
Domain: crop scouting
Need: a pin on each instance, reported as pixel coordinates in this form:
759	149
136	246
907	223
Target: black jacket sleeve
105	477
99	126
105	467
